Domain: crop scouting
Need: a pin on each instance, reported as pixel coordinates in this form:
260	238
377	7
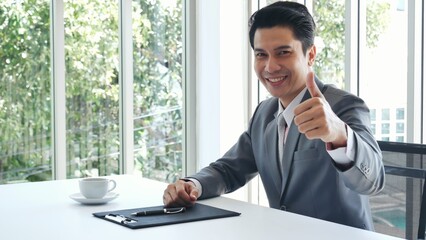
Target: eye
283	52
260	55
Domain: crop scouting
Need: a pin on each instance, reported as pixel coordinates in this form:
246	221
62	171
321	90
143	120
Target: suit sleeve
366	176
233	170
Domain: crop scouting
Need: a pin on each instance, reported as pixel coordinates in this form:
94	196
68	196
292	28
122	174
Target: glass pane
373	128
400	114
25	125
385	48
385	128
400	127
157	57
385	114
92	87
329	16
373	114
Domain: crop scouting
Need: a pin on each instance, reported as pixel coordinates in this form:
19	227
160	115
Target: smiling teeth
275	79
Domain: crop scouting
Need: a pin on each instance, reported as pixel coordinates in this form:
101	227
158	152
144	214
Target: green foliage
330	19
158	89
24	88
92	88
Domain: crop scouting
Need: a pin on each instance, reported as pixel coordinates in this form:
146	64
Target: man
323	162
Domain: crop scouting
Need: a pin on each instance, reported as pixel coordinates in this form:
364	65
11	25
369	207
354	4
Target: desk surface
44	210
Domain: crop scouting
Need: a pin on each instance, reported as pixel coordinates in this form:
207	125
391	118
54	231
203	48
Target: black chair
400	209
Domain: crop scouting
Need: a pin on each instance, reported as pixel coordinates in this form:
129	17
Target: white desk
44	211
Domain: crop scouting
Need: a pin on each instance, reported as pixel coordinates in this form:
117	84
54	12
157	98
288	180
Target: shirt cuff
197	184
344	155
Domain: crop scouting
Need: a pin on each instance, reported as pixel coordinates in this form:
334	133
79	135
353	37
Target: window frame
58	96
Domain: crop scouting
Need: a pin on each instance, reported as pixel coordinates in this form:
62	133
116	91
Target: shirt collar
288	112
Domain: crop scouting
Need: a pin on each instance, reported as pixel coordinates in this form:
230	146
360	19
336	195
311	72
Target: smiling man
310	142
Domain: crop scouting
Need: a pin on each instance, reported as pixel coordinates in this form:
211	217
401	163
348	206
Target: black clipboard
198	212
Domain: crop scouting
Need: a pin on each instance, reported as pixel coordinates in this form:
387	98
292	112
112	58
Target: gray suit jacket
312	184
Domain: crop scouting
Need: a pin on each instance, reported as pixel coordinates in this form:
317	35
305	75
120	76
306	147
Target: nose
272	65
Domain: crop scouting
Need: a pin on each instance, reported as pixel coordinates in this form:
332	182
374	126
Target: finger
192	191
171	196
306	122
312	86
173	201
167	197
307	110
193	194
187	192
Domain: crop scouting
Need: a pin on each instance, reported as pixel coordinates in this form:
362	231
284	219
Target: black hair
285	14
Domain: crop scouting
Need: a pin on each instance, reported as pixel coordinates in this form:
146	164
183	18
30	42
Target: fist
315	118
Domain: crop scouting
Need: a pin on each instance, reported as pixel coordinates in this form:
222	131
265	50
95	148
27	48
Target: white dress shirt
343	155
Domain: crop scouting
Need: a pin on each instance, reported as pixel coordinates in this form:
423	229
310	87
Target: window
157	86
399	139
385	128
385	114
25	102
88	87
400	114
330	41
373	115
373	128
383	38
92	88
399	127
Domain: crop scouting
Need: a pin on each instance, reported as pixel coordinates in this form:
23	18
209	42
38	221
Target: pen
159	212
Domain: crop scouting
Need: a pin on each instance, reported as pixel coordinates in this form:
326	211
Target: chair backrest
400	209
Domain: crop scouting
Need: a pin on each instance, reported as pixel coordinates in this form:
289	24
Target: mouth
275	81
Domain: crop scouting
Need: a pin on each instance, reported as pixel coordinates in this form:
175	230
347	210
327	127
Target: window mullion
126	87
352	46
189	163
414	71
59	156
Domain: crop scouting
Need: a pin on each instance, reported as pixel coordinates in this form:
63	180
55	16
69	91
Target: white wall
221	77
207	81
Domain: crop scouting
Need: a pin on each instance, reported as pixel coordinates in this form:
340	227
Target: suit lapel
290	147
271	144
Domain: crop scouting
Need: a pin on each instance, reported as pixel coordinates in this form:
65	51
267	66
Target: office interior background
161	88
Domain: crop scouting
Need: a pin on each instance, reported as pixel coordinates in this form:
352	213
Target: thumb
192	190
194	194
312	86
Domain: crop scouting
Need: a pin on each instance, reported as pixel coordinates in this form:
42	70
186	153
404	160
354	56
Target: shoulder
336	95
265	112
331	90
268	104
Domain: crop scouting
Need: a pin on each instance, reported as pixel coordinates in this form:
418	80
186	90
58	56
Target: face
280	63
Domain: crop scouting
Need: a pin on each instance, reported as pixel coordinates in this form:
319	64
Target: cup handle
112	187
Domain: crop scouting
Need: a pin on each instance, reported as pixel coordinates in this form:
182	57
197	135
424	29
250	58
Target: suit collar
271	139
290	147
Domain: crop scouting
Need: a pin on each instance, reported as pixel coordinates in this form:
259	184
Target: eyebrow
283	47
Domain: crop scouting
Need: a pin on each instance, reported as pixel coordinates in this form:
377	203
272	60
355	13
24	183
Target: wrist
333	146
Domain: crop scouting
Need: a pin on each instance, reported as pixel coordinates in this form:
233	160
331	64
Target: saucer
94	201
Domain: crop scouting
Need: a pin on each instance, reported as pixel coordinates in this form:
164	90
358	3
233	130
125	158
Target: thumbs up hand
315	118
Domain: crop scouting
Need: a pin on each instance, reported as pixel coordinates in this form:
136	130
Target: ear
312	53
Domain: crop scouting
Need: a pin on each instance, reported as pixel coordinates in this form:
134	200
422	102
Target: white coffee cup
95	187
